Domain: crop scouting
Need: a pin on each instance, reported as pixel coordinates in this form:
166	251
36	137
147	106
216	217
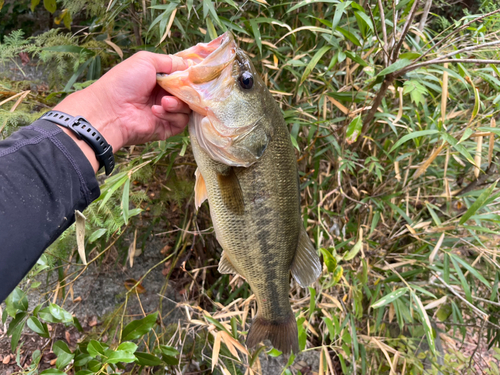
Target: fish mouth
206	77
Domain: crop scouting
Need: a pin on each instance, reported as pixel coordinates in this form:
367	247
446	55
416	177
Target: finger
173	104
177	120
164	63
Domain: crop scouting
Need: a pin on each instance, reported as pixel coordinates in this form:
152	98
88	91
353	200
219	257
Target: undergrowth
396	138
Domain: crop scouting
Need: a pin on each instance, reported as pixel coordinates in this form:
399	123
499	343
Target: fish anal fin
225	265
283	335
230	191
200	189
306	266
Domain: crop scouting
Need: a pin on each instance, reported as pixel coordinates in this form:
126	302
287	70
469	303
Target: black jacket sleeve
44	178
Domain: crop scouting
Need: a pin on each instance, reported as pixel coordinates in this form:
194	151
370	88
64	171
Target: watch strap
86	132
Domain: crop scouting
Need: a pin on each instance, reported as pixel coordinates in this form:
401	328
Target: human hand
127	106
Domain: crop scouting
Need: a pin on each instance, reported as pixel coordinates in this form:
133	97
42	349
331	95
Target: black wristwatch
86	132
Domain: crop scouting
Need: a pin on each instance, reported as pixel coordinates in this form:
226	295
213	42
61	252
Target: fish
247	170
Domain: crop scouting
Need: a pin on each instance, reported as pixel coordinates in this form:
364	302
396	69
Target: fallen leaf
166	249
131	283
93	321
53	362
6	359
67	336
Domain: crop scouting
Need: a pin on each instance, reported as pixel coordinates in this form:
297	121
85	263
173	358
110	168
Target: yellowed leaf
80	235
117	49
216	349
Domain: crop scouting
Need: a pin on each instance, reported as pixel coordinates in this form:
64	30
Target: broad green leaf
312	64
82	359
274	353
354	57
97	234
146	359
16	301
60	314
363	16
477	103
349	35
398	65
68	49
50	5
330	327
139	328
425	322
95	348
127	347
478	203
38	327
64	354
16	333
354	251
116	356
389	298
416	134
353	130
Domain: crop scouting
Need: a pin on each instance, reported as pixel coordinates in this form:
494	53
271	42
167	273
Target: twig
478	344
442	61
384	31
406	28
490	171
474	308
454	32
423	20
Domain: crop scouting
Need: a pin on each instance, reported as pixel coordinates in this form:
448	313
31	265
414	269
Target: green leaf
363	16
274	353
339	11
307	2
477	103
18	320
146	359
463	280
329	259
112	356
50	5
457	146
471	269
16	301
60	314
127	347
478	203
400	64
139	328
426	323
76	75
68	49
95	348
64	354
82	359
389	298
97	234
256	34
416	134
353	130
312	64
34	3
38	327
16	334
354	251
416	90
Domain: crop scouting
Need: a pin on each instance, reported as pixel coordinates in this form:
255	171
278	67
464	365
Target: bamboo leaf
385	300
413	135
312	64
478	203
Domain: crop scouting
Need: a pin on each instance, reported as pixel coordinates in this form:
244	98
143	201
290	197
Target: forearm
44	178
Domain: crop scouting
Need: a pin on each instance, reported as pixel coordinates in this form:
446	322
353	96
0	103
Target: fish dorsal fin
230	191
225	265
200	189
306	266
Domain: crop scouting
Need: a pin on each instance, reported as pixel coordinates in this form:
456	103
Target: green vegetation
395	129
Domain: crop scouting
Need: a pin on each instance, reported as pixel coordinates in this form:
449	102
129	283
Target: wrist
88	104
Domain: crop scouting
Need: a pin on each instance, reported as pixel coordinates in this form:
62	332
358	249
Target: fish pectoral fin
225	265
200	189
306	267
230	191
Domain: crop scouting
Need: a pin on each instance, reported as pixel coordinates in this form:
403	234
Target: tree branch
384	31
406	28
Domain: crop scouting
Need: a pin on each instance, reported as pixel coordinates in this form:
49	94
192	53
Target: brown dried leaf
131	283
216	349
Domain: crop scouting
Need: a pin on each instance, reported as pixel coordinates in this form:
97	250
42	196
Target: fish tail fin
283	334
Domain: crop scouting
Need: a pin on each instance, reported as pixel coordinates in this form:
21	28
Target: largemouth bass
247	170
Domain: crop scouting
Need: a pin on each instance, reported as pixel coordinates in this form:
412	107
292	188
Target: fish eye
246	80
